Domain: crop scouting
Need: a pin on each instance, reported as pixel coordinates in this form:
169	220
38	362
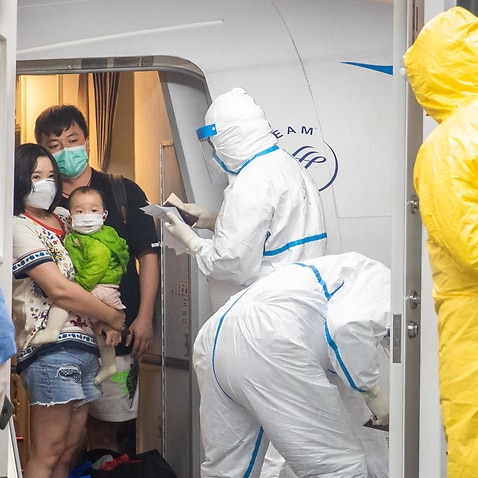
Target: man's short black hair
56	119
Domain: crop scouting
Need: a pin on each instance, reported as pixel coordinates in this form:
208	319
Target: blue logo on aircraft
308	156
323	165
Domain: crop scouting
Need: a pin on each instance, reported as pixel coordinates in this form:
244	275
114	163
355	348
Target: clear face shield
216	173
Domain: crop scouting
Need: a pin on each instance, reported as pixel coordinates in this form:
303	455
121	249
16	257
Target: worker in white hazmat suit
442	69
271	215
272	212
261	360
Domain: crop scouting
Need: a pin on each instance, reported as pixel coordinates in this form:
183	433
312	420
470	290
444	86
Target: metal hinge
397	338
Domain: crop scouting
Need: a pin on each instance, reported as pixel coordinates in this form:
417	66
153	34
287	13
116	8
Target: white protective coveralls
442	68
272	212
271	216
261	361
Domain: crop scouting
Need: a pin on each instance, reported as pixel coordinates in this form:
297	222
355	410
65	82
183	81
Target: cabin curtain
106	97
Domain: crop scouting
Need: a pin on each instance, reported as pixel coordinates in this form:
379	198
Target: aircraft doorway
148	135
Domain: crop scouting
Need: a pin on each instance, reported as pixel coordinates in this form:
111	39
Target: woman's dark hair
26	157
56	119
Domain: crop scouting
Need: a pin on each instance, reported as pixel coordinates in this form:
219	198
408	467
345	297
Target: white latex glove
181	231
206	217
378	403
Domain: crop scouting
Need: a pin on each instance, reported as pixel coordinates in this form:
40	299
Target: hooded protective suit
442	68
272	212
261	362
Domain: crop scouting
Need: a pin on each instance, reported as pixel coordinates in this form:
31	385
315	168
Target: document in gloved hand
174	201
172	204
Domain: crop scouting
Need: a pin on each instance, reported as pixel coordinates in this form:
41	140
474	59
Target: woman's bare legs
55	434
73	439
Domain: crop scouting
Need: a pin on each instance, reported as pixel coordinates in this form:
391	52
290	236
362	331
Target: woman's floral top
35	243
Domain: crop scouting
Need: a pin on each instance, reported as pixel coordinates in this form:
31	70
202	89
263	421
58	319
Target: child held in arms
100	257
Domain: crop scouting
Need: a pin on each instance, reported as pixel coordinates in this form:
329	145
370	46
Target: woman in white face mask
59	376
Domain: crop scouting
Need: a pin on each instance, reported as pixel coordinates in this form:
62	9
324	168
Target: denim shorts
62	376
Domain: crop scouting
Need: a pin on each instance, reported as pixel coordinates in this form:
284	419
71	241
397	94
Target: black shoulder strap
119	194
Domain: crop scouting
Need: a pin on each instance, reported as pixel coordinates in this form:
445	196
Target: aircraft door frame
9	465
406	259
186	99
417	443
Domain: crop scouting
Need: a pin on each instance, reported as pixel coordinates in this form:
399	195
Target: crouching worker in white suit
261	364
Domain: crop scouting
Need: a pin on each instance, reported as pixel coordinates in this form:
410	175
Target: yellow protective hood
442	64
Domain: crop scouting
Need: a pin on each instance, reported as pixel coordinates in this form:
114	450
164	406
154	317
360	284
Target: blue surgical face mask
72	161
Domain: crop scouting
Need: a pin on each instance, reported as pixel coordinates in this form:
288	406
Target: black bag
149	464
119	194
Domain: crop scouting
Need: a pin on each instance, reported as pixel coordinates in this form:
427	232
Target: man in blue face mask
64	132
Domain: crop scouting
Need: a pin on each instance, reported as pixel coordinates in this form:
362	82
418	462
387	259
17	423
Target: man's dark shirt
139	232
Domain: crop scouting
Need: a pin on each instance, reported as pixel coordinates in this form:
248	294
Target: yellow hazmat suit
442	68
